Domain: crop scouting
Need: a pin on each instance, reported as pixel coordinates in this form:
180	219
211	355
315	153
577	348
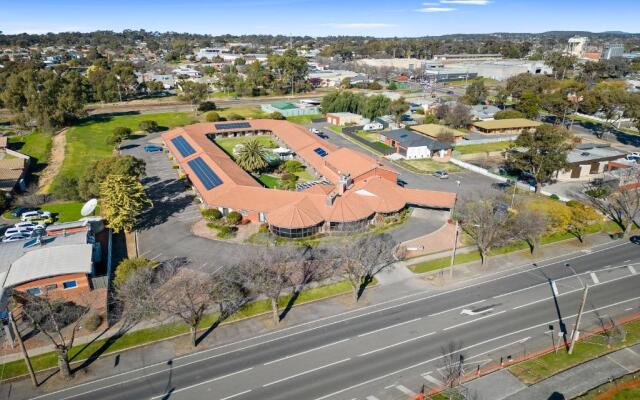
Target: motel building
351	190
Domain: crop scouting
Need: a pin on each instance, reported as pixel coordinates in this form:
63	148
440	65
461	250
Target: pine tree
123	199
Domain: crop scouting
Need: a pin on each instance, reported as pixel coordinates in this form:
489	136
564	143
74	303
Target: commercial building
332	78
448	74
498	70
359	188
345	118
577	46
412	145
435	131
289	109
408	64
587	161
453	58
613	50
505	126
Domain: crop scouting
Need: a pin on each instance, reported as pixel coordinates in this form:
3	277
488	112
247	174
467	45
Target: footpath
502	385
392	285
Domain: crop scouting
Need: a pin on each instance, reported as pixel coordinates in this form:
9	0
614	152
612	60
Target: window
52	286
69	284
34	291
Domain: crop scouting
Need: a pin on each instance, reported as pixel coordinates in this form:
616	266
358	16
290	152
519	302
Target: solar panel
320	151
206	175
233	125
183	146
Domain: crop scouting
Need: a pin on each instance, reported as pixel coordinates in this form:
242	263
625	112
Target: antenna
89	207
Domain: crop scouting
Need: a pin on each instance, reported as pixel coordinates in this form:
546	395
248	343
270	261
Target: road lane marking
396	344
474	320
235	395
406	390
547	262
372	398
452	309
390	327
554	287
306	372
432	379
499	347
460	350
306	351
202	383
594	278
631	269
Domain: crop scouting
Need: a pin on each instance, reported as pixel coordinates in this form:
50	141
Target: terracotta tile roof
289	209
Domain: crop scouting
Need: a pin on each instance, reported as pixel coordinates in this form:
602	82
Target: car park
18	211
441	174
31	214
16	237
151	148
14	231
42	220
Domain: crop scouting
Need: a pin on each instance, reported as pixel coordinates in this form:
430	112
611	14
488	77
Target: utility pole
27	360
574	334
455	240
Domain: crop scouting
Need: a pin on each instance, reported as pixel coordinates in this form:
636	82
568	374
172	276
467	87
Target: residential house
504	126
587	161
435	132
412	145
483	112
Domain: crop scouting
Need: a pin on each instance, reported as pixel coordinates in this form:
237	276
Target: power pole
574	334
27	360
453	254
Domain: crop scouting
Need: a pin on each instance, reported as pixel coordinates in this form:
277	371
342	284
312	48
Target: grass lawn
542	367
87	141
304	119
483	148
304	176
624	388
427	165
336	128
228	144
65	211
148	335
246	112
268	180
36	145
369	136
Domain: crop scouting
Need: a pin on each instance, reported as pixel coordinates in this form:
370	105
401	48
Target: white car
25	224
15	231
632	157
315	130
634	154
16	237
31	214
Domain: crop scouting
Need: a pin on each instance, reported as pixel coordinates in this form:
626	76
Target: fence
487	140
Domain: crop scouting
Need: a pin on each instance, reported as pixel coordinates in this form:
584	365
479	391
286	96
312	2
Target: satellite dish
89	207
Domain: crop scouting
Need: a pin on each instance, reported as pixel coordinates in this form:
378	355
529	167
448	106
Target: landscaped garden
228	144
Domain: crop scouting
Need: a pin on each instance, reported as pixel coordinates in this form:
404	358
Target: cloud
466	2
430	4
361	25
435	9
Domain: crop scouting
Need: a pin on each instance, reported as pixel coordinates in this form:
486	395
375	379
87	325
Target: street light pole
574	334
455	240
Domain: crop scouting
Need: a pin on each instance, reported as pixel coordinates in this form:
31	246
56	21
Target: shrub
235	117
92	321
293	166
234	218
175	166
122	131
264	228
207	106
129	266
211	214
508	113
65	188
276	115
148	126
212	117
554	197
289	177
225	232
5	202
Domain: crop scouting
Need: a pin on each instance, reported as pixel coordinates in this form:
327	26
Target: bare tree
621	205
360	261
486	219
452	369
529	225
228	291
57	319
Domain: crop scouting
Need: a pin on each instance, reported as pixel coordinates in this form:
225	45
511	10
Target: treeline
368	106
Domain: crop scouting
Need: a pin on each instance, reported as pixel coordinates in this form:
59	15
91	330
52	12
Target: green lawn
624	388
36	145
304	119
268	180
336	128
427	166
304	176
87	141
66	211
148	335
369	136
539	368
228	144
482	148
246	112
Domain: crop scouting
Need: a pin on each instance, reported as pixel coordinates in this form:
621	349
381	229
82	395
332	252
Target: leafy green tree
129	266
252	156
509	113
540	153
277	115
476	92
611	97
89	184
561	64
119	134
582	217
529	104
193	92
207	106
376	106
65	188
149	126
123	199
213	117
632	109
397	108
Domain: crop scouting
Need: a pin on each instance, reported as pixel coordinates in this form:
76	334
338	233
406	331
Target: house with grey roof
588	161
413	145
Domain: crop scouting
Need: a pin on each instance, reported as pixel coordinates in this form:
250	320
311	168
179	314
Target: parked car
635	239
18	211
151	148
315	130
32	214
42	220
632	157
24	224
441	174
15	231
16	237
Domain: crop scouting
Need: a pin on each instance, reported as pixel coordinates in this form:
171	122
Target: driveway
470	182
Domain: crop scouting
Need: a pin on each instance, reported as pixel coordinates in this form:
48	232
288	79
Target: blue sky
381	18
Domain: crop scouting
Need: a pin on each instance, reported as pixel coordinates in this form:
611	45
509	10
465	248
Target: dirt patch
56	158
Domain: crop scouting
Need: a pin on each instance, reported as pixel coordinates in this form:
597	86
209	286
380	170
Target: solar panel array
320	151
206	175
183	146
233	125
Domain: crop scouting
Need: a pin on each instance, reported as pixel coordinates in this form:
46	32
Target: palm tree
252	156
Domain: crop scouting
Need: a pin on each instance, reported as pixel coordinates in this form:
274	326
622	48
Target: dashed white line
306	372
594	278
235	395
406	390
306	351
389	327
396	344
203	383
477	319
631	269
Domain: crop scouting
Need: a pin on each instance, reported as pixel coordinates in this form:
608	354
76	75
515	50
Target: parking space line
405	390
594	278
631	269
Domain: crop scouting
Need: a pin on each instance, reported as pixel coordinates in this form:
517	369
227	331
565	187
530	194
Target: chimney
330	198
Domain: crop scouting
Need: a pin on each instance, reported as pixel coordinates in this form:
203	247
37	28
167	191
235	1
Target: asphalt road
372	350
